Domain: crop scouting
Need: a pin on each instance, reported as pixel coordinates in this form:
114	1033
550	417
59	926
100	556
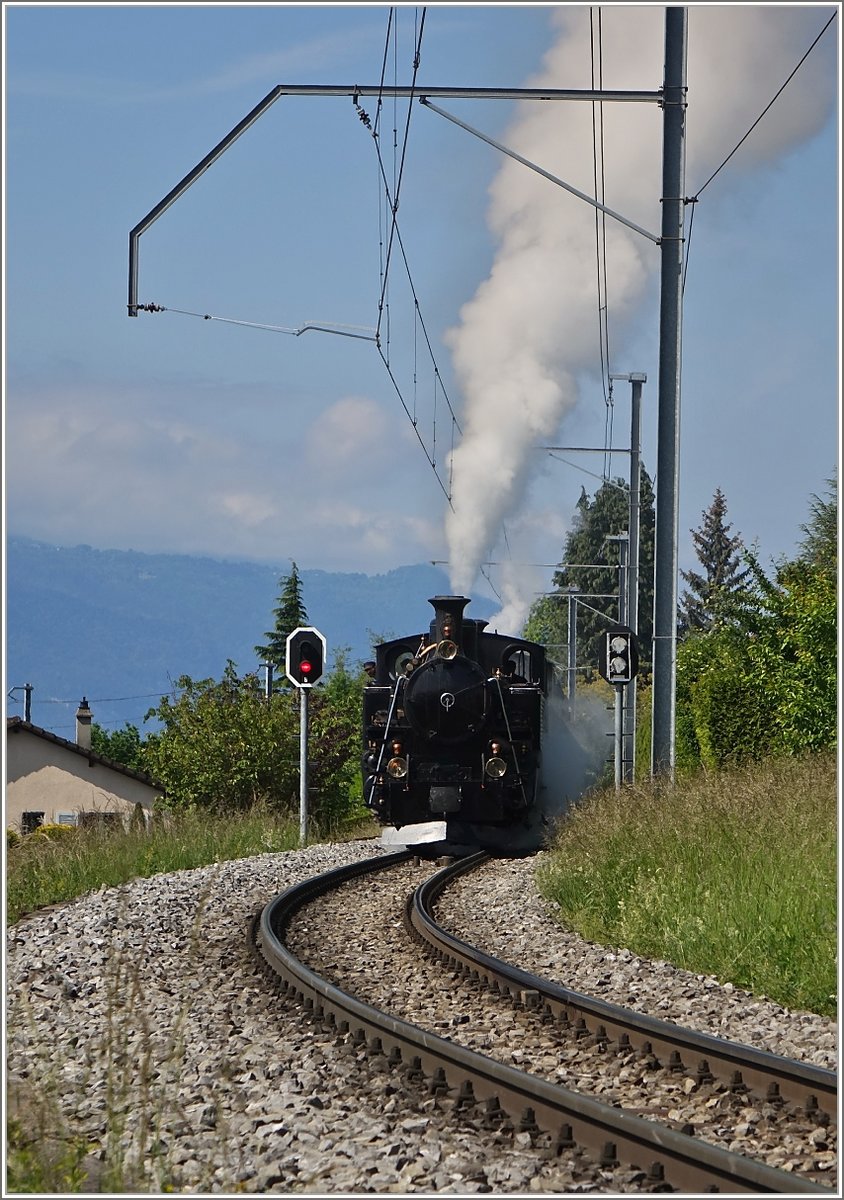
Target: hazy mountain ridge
119	626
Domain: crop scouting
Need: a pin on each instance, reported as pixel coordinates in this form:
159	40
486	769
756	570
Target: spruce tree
596	520
707	600
290	614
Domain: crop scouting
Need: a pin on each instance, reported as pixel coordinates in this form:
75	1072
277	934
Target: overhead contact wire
392	196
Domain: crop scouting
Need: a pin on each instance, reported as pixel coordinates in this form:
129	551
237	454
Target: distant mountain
118	626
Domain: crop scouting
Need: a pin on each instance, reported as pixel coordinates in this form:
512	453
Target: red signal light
305	668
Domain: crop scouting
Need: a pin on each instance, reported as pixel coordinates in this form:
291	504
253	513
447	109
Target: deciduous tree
765	681
121	745
820	546
223	747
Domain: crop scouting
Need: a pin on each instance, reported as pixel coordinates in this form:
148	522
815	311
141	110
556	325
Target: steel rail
771	1076
609	1133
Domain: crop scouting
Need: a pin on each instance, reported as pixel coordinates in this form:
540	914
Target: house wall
44	777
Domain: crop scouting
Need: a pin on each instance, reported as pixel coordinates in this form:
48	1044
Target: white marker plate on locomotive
413	835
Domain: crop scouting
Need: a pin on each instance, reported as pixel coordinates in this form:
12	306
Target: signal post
618	655
304	665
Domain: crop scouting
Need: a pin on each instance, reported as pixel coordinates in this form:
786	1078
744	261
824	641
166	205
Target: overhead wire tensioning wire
769	105
694	198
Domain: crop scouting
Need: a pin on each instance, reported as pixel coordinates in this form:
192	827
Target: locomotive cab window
516	665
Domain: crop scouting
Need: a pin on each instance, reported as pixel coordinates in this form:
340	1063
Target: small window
100	820
66	818
30	821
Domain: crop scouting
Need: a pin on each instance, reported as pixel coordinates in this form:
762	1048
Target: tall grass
732	874
46	1152
50	1146
43	871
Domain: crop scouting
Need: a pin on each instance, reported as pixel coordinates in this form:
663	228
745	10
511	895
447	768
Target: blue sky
169	433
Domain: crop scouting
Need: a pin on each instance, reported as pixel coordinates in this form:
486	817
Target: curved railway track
668	1159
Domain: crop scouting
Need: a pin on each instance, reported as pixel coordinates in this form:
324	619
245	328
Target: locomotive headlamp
447	649
397	768
495	767
402	663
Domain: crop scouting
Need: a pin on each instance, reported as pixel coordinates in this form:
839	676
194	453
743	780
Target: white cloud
349	435
250	508
118	470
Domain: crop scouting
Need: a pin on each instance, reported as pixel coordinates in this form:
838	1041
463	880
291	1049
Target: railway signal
305	661
618	655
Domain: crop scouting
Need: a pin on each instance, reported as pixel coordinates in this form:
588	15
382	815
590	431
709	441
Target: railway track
495	1092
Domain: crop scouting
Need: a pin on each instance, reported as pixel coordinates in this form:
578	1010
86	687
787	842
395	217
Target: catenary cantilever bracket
355	91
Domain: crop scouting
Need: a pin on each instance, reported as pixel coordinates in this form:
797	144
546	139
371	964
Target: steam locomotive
452	731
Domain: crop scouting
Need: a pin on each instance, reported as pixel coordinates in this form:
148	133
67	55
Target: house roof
18	725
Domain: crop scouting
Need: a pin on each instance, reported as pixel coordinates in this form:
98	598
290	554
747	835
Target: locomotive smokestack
447	624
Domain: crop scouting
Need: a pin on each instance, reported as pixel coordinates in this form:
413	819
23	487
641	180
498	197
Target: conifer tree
707	598
595	520
290	614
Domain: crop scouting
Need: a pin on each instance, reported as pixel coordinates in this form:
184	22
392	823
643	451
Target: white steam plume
532	326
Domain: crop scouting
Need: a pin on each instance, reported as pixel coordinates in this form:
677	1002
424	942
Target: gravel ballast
136	1020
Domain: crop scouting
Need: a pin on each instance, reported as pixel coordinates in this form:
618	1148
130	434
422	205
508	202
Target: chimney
448	622
83	725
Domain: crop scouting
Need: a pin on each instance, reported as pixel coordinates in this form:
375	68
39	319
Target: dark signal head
305	657
618	655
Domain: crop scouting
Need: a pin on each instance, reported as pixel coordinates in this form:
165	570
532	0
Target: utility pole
572	644
636	379
27	690
668	420
628	601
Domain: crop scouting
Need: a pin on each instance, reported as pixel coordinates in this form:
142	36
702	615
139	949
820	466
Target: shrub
53	833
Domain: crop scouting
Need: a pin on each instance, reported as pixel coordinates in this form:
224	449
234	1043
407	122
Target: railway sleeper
583	1134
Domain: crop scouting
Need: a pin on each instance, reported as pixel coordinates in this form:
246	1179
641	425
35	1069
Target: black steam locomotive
452	729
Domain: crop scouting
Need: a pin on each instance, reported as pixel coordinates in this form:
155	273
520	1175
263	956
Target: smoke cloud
532	329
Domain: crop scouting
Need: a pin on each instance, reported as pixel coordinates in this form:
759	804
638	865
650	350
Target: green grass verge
44	870
731	874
